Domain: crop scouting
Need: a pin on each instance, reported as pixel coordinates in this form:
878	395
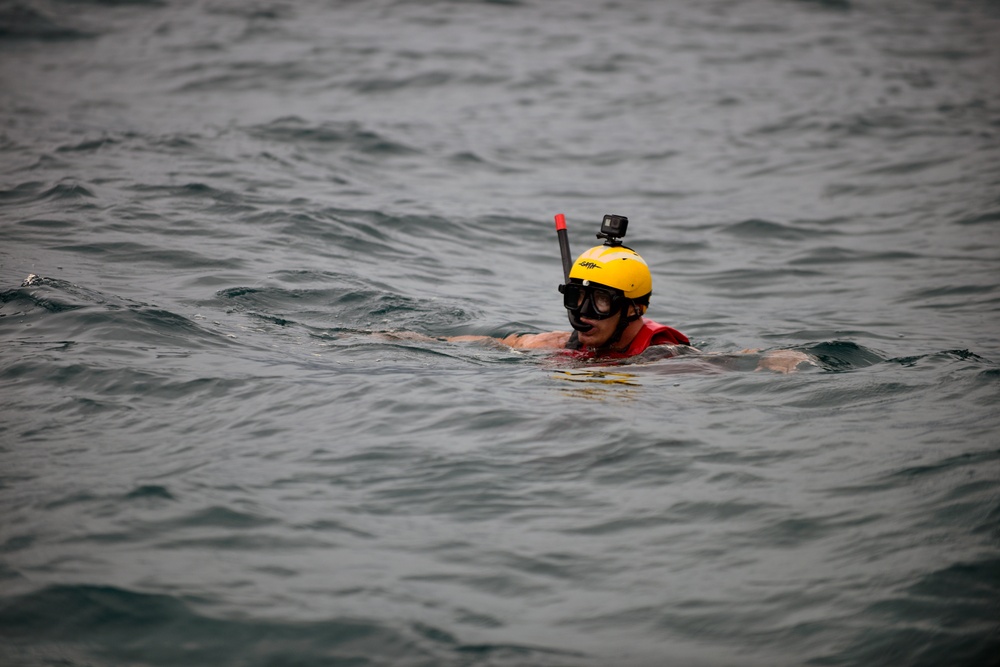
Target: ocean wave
987	218
23	21
38	191
766	230
911	621
350	136
348	305
119	626
57	309
840	255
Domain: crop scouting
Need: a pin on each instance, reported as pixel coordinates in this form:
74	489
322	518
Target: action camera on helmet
613	229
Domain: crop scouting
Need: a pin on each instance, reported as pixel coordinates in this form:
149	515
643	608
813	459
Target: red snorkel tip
560	221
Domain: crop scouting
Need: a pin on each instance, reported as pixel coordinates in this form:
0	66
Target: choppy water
212	453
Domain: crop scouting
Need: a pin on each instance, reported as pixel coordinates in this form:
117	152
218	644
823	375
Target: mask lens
603	301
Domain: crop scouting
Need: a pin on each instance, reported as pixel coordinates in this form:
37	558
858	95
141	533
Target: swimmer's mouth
578	324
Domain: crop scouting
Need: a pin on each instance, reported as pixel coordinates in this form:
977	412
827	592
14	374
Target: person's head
608	289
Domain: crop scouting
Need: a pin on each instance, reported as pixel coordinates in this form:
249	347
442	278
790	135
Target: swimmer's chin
589	340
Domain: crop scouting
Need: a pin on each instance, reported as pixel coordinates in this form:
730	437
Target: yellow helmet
615	266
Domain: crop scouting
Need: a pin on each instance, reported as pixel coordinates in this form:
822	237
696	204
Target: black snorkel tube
567	262
567	258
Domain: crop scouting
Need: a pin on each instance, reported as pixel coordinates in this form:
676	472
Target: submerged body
646	334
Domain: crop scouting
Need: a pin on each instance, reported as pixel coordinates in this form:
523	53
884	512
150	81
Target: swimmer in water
606	297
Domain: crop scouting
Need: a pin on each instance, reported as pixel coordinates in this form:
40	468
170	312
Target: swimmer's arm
781	361
544	341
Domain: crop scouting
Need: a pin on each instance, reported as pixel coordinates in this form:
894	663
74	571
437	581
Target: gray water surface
221	442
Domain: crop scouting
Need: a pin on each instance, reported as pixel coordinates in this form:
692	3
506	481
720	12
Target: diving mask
591	300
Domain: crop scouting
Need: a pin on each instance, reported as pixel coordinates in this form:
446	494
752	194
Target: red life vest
654	333
651	333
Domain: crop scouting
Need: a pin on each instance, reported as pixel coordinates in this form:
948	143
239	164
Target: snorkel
567	258
567	262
